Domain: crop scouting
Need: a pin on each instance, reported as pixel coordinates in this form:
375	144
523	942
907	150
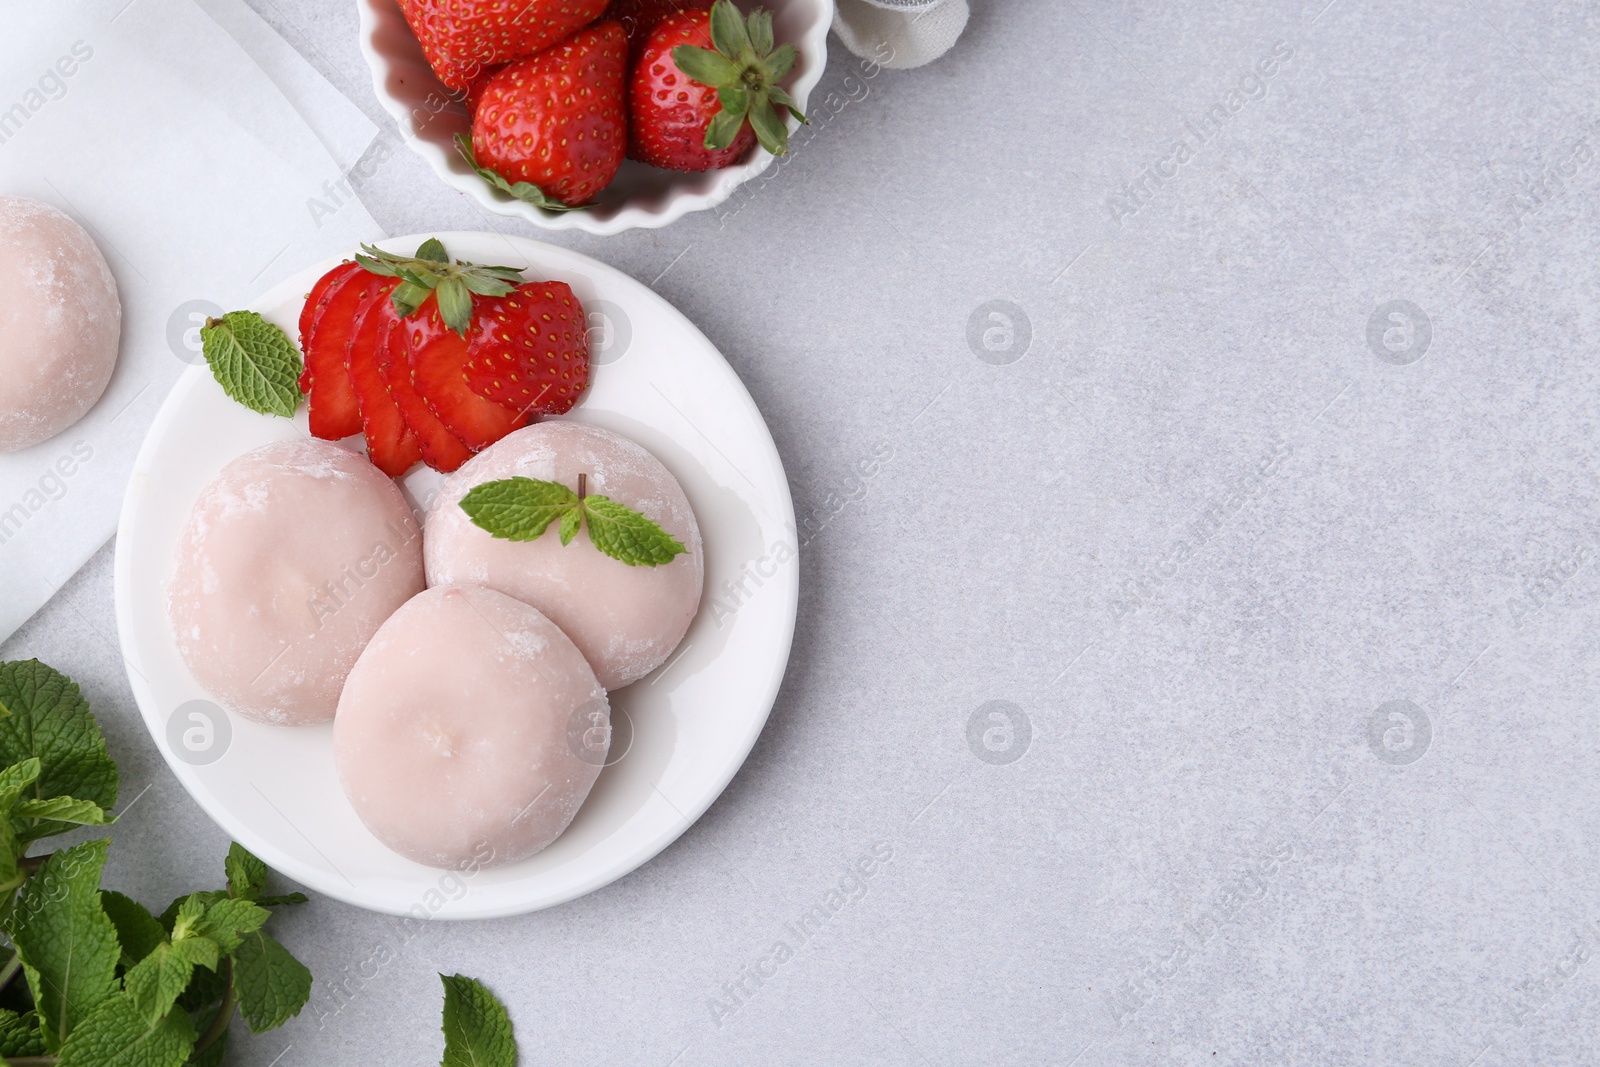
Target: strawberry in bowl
515	176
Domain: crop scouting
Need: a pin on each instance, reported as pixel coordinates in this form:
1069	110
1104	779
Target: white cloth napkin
194	173
899	34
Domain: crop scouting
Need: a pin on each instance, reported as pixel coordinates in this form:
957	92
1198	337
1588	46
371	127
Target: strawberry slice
529	349
438	358
316	300
391	445
441	449
330	308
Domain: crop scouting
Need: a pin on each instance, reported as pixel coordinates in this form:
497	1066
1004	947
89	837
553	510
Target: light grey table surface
1228	507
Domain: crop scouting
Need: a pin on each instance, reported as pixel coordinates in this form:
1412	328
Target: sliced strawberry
333	409
438	359
316	300
441	449
391	445
529	349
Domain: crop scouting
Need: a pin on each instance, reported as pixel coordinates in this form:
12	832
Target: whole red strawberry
463	37
556	122
639	18
695	107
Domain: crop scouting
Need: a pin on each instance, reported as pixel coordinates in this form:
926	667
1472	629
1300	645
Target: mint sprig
477	1030
96	980
254	362
522	509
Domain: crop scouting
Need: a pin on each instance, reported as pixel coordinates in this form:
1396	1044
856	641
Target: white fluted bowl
641	196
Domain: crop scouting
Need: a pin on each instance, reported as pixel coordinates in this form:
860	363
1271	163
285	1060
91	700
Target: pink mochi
60	322
625	619
292	558
470	730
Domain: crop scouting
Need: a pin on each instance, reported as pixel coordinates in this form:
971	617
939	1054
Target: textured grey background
1199	535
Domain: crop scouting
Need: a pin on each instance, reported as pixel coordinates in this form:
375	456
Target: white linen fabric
156	127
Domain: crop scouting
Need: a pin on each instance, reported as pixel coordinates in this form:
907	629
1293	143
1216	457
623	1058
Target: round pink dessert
470	730
292	558
626	620
60	322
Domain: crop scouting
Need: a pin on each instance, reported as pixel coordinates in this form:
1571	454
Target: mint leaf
64	809
570	522
518	509
285	898
271	984
69	947
16	776
247	876
522	509
13	780
527	192
115	1034
161	977
477	1031
49	718
624	534
19	1034
254	362
190	909
228	921
138	932
207	897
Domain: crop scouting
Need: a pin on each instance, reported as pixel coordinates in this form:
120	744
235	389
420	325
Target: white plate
657	380
641	196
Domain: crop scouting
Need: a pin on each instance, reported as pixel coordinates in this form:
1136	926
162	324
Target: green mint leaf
271	984
624	534
116	1034
570	524
247	876
203	899
18	775
254	362
524	191
13	781
19	1034
157	981
705	66
286	898
48	718
518	509
69	947
477	1030
227	922
138	932
190	909
64	809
